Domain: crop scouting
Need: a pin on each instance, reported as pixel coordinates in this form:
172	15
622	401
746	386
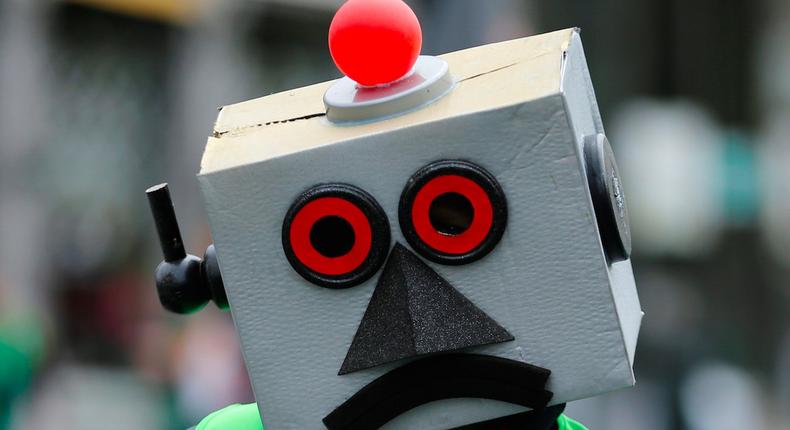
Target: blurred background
100	99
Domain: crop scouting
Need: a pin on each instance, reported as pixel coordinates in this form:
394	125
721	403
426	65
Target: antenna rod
166	223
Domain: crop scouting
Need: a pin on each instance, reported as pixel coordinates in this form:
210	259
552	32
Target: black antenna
184	282
166	222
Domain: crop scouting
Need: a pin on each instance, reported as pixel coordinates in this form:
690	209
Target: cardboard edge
309	99
206	191
584	116
237	121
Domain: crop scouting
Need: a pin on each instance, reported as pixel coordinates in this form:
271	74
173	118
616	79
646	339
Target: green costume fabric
247	417
565	423
234	417
21	350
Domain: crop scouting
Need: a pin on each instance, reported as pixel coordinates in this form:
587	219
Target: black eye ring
336	235
453	212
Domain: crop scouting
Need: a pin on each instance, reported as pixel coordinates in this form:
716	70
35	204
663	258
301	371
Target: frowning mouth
441	377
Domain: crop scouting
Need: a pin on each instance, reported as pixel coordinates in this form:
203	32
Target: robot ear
184	282
606	191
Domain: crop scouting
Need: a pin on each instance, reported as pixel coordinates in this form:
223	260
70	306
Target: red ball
375	42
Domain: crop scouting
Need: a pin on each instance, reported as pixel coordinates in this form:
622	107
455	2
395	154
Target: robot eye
336	235
453	212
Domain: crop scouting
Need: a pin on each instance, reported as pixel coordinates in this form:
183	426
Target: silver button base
347	102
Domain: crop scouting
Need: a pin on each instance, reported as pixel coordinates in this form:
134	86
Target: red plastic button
375	42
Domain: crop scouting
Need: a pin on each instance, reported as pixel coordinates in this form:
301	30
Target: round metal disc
348	102
606	190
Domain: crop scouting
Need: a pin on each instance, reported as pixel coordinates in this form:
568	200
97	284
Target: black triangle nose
414	311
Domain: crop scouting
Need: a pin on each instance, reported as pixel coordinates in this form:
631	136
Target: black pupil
451	214
332	236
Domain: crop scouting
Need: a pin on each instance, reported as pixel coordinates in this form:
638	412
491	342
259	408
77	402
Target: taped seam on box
218	134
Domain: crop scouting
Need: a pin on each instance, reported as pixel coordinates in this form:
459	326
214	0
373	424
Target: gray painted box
520	109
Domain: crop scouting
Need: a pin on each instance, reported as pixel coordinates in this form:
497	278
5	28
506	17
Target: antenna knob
184	282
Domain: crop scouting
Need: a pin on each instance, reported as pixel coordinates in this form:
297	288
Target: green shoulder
565	423
233	417
247	417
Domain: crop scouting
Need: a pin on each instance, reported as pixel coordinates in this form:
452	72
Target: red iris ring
303	247
369	240
478	187
472	236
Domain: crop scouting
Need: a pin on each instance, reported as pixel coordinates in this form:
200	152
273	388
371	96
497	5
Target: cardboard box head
422	242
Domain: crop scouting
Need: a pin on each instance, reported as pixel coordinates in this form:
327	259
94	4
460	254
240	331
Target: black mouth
441	377
545	419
